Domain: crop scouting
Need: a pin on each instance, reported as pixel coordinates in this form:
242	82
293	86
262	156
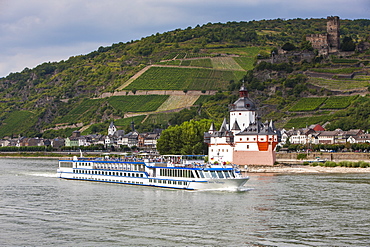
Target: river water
38	209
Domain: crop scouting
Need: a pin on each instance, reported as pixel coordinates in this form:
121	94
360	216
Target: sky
36	31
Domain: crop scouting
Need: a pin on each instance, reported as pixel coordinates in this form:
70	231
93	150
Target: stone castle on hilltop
328	42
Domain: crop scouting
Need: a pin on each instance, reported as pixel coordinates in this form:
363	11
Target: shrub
356	164
301	156
364	164
330	164
344	163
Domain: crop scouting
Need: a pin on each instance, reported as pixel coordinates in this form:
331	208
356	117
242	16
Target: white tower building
246	140
243	111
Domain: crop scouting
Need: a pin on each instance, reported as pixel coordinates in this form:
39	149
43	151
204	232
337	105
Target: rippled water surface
37	209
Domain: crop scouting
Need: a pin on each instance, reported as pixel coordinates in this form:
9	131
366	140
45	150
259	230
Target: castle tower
333	30
243	111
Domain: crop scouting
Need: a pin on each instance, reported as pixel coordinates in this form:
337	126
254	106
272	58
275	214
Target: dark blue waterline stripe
148	185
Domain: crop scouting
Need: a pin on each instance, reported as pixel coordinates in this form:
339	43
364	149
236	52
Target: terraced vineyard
225	63
338	102
178	101
245	62
168	78
308	104
361	81
90	107
141	103
127	121
202	99
337	71
311	104
202	63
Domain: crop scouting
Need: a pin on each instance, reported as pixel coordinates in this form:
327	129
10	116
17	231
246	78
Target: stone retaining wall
292	157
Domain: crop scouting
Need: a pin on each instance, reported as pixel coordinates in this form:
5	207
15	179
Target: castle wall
220	152
254	157
318	41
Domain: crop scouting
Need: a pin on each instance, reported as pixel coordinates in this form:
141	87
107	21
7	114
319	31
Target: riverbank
305	169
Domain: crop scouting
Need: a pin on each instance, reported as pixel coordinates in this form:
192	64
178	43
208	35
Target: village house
8	143
362	138
300	136
148	141
130	139
73	141
320	136
30	142
58	142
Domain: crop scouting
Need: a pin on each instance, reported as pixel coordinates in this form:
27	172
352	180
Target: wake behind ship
175	173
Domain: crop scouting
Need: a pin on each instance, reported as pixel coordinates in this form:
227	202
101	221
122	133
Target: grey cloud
34	31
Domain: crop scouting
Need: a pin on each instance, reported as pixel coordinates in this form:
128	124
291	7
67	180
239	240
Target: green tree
186	138
348	44
288	47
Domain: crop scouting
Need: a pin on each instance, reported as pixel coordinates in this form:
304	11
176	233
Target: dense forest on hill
43	95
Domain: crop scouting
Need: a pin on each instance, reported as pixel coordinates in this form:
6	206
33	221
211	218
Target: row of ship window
109	173
160	181
215	174
176	173
113	167
199	174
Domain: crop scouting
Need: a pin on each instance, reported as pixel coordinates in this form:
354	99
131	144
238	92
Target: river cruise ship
175	172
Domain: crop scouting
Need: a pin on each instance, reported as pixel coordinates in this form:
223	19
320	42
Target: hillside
113	82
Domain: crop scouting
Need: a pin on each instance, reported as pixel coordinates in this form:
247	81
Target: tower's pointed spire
223	126
272	126
235	126
212	128
243	92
